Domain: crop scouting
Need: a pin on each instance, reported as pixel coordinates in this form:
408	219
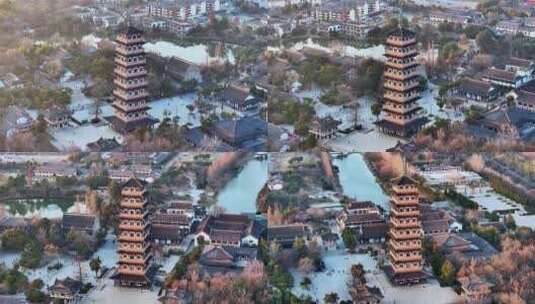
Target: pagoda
133	250
131	82
405	233
401	114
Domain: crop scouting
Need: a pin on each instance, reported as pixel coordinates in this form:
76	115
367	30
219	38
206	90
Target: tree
331	298
95	265
376	109
350	238
447	273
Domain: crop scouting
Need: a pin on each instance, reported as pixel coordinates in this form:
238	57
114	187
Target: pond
200	54
42	208
358	181
239	195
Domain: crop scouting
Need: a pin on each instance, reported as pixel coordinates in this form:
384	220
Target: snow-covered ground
450	175
470	4
78	137
176	106
197	54
333	279
488	199
429	292
37	157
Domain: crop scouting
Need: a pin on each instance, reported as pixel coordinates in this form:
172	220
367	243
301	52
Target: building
57	118
324	128
525	100
131	81
223	259
181	10
229	230
506	122
522	67
169	229
79	222
458	17
66	291
285	235
476	290
503	78
181	208
104	145
401	115
133	247
239	99
50	172
405	232
15	120
248	132
476	90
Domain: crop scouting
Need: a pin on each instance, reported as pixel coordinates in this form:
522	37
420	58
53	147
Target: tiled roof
286	231
78	221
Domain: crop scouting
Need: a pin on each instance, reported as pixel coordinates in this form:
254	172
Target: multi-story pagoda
133	248
131	81
401	115
405	233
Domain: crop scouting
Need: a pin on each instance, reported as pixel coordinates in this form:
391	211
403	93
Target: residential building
131	82
405	232
133	249
181	9
401	114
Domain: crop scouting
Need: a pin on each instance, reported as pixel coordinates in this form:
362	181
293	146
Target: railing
125	74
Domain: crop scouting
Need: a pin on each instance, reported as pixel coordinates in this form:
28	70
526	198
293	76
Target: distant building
476	290
50	172
17	223
181	10
229	230
324	128
66	291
